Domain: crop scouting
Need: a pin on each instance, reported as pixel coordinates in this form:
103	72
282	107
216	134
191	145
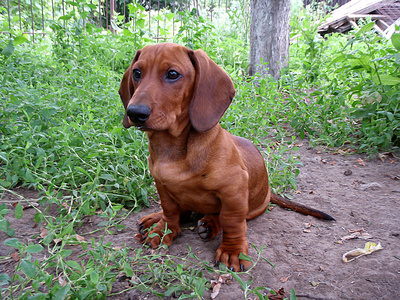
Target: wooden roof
385	13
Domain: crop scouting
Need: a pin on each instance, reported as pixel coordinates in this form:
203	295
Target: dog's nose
138	113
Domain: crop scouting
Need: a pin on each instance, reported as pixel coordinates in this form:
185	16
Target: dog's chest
186	187
170	173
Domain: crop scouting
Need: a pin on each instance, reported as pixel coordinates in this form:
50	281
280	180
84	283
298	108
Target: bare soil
360	194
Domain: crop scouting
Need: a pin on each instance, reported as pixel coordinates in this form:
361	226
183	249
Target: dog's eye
136	74
173	75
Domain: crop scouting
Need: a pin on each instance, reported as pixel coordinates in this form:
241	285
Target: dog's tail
285	203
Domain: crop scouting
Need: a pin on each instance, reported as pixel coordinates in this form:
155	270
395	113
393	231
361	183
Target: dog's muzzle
138	114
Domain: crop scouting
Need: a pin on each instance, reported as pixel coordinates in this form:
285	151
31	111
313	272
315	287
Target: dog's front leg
170	218
233	223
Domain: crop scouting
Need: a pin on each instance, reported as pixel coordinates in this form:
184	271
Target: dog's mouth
141	127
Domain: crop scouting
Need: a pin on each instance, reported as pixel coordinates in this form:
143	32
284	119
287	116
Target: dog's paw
208	227
148	221
228	254
160	234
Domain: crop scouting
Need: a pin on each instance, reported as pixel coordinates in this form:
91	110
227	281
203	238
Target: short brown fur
197	166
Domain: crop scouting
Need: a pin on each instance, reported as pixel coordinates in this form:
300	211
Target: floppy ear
213	92
126	89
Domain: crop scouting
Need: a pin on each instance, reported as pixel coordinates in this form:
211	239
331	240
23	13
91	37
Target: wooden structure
385	13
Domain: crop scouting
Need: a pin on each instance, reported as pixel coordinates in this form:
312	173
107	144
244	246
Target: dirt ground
360	194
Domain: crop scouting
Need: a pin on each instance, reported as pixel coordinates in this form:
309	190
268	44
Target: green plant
352	97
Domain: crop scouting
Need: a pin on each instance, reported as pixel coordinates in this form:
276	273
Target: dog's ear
126	89
213	92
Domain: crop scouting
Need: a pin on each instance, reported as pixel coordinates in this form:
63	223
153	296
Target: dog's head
168	85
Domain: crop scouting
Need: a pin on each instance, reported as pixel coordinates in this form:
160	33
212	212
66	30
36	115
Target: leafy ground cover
62	135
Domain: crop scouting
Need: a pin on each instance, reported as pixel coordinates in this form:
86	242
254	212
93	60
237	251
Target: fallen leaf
311	192
356	230
356	253
224	278
314	284
297	192
284	279
360	161
216	284
15	256
332	162
79	237
356	235
385	155
308	225
43	232
277	295
215	291
382	156
306	230
62	281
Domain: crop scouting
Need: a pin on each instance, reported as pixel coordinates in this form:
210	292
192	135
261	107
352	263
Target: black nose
138	113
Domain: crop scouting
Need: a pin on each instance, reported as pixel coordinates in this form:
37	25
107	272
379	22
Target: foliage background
61	128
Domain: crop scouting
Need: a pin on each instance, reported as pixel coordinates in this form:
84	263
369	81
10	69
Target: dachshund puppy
178	96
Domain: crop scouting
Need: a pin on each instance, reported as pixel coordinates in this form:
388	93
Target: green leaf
4	279
4	224
19	211
179	269
94	277
386	79
127	32
67	230
38	296
28	267
34	248
108	177
49	238
238	279
172	290
65	253
15	243
61	293
74	265
170	16
140	23
128	269
20	40
245	257
396	40
365	28
293	295
268	262
9	49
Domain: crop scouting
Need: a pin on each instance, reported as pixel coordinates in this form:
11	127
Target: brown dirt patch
307	259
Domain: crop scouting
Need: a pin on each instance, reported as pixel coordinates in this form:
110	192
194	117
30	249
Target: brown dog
177	96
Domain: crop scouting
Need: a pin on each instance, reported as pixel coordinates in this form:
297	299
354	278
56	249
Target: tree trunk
269	36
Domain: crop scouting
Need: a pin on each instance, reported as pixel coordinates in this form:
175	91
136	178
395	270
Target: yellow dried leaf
356	253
